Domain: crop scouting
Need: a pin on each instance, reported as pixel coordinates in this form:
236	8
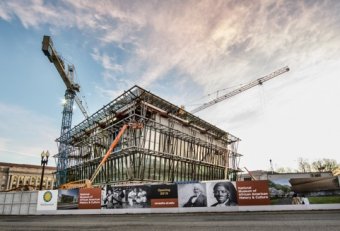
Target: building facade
172	145
25	177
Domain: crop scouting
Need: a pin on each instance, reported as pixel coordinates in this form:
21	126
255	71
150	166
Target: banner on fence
68	199
253	192
47	200
164	196
192	195
221	194
89	198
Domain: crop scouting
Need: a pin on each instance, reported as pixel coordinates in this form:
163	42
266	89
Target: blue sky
181	51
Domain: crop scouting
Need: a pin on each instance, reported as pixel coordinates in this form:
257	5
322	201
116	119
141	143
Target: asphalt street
277	221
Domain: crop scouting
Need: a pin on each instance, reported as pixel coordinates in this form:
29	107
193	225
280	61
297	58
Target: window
315	174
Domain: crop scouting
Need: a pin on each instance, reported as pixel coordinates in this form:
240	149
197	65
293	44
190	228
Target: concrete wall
18	203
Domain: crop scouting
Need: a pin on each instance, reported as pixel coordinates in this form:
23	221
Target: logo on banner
47	200
47	196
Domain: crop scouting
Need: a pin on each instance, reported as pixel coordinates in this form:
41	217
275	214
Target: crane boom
52	55
252	84
67	76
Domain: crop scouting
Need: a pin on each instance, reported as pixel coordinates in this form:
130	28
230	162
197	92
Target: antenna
271	166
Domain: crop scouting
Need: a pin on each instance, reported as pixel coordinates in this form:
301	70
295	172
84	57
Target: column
18	180
9	182
52	183
35	182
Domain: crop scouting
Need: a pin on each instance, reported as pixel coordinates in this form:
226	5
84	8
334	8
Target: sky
187	52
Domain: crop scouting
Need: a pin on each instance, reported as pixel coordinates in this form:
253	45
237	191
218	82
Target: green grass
324	200
312	200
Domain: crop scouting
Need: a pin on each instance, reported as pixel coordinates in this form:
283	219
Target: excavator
87	183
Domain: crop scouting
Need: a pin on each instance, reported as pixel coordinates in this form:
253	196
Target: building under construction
172	145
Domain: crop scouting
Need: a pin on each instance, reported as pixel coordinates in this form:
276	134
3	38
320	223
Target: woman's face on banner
221	194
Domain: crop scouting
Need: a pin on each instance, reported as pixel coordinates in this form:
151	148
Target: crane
72	89
252	84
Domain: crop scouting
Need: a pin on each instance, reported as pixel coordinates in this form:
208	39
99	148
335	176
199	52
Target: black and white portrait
221	194
137	196
112	197
192	195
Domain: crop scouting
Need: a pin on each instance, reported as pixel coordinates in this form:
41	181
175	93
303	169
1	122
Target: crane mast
237	91
72	89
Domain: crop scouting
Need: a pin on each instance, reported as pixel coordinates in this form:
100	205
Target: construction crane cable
83	100
210	94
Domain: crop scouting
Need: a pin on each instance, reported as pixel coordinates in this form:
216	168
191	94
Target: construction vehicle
71	95
87	183
245	87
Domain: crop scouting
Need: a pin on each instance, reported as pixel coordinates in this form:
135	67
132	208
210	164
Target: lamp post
44	161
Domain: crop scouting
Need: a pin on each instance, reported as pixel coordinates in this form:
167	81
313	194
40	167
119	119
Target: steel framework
173	145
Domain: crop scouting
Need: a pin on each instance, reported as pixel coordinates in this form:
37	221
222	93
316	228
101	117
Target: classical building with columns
25	177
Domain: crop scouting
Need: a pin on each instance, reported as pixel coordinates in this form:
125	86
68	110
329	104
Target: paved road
249	221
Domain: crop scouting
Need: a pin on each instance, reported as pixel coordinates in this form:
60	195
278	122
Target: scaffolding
173	145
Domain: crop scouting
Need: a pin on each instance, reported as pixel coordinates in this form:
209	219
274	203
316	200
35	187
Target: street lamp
44	161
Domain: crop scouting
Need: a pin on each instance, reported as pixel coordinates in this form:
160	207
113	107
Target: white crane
245	87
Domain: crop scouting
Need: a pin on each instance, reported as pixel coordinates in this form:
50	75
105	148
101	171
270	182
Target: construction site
160	143
141	138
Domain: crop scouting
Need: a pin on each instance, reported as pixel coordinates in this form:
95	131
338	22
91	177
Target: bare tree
325	165
304	165
318	166
284	170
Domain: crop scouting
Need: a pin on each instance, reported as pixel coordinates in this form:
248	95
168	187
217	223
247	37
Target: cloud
106	61
4	11
107	93
212	43
3	143
186	49
37	13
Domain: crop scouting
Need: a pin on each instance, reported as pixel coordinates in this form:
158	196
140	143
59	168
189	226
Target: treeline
304	165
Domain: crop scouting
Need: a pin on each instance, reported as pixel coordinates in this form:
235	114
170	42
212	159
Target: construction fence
18	203
205	196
